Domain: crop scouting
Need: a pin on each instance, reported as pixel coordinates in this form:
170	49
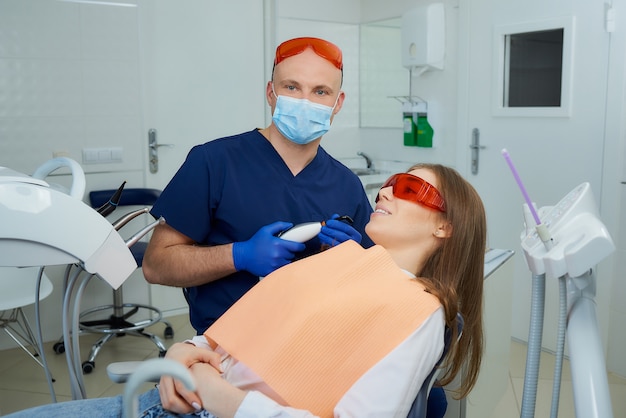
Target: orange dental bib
311	329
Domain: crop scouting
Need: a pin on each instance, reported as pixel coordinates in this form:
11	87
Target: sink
373	187
365	171
371	190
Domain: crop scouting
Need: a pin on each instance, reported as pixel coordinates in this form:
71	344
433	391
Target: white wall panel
69	79
40	87
51	32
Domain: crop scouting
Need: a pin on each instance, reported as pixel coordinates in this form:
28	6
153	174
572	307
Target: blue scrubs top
230	187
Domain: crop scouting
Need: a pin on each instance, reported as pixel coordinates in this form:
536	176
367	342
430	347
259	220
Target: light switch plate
102	155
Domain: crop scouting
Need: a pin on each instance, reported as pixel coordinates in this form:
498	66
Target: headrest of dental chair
130	197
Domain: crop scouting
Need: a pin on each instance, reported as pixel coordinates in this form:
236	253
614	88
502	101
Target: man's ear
269	94
340	100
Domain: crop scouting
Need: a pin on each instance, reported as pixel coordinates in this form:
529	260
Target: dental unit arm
565	244
580	238
41	226
579	241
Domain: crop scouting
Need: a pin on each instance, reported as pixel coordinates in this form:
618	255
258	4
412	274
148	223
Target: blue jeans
149	407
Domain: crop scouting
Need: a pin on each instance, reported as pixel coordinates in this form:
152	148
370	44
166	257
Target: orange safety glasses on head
329	51
415	189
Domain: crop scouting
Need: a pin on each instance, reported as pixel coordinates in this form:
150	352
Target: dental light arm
41	226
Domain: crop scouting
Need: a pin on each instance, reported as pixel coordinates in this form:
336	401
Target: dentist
232	196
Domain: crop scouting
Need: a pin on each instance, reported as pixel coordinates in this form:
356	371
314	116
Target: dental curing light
571	242
41	226
307	230
302	232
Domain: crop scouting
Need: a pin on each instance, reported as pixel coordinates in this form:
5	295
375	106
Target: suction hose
560	347
535	334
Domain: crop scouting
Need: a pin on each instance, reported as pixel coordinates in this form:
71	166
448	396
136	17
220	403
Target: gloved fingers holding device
275	245
337	230
332	232
265	252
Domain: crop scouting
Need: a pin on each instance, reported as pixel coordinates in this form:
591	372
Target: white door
204	63
204	78
554	149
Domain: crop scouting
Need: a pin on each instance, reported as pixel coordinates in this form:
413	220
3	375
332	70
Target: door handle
475	147
153	150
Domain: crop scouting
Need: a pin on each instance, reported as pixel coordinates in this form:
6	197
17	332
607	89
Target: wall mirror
381	74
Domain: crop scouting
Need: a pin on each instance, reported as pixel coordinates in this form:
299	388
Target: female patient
349	331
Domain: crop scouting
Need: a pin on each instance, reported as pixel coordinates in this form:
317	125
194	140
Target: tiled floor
511	403
23	384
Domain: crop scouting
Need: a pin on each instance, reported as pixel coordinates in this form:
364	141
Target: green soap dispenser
424	132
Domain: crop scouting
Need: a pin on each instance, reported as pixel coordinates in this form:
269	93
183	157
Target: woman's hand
219	397
174	396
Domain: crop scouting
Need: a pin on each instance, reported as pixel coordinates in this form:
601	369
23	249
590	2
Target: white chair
18	290
135	373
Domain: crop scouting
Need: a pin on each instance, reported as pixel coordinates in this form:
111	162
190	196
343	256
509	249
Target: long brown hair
454	273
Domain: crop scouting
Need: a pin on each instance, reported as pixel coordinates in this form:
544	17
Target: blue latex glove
335	232
265	252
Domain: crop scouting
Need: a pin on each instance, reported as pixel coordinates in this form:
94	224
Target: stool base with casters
118	324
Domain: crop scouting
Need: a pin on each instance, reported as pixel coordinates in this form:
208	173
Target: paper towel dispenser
423	37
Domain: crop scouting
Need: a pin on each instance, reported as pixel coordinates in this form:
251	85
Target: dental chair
135	373
424	405
119	323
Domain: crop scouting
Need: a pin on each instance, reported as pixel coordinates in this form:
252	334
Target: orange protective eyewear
415	189
329	51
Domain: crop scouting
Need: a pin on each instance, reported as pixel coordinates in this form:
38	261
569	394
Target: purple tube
507	157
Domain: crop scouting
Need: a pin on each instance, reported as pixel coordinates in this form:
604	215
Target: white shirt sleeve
199	341
386	390
255	404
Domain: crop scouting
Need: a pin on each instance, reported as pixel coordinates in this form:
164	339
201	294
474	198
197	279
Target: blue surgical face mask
301	120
